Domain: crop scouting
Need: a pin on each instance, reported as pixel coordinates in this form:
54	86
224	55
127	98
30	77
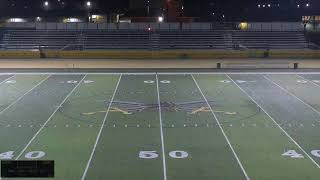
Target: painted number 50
154	154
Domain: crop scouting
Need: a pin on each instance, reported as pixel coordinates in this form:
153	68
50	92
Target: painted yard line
100	131
38	132
244	72
288	92
222	130
7	79
80	73
161	133
308	80
275	122
17	100
159	73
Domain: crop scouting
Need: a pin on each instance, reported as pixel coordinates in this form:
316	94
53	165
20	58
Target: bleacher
194	40
31	39
269	40
1	39
116	40
101	39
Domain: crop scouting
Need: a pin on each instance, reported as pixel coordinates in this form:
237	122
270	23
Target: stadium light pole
88	6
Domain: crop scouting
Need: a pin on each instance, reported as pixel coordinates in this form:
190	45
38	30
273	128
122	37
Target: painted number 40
294	154
29	155
154	154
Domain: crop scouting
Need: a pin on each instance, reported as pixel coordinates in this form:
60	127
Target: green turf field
209	126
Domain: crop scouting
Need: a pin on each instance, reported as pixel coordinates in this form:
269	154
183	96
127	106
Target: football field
164	126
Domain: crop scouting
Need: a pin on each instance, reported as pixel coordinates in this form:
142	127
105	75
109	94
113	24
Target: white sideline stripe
17	100
222	130
288	92
161	133
100	131
153	73
33	138
275	122
308	80
244	72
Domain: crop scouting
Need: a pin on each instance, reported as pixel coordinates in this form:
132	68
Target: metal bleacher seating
116	40
31	39
269	40
159	40
193	40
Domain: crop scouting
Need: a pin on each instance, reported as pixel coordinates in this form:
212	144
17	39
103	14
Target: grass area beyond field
162	126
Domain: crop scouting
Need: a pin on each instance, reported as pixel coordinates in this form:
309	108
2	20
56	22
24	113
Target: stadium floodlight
88	4
160	19
46	3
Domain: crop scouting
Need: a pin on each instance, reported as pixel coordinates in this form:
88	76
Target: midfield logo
127	108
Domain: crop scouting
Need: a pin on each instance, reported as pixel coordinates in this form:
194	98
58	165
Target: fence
254	26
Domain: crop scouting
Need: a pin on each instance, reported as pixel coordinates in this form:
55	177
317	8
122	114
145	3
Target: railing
71	47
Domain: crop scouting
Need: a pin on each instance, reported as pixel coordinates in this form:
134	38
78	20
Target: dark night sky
232	9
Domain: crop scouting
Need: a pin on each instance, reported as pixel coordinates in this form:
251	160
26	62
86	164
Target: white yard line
100	131
17	100
82	73
308	80
159	73
7	79
224	72
288	92
58	107
161	133
275	122
222	130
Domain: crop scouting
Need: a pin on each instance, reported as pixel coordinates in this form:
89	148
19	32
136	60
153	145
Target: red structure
174	10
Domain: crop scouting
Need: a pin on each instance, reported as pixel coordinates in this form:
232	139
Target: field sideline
164	126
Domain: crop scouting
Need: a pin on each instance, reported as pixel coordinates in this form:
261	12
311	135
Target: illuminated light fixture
298	5
264	6
160	19
16	20
259	6
88	4
46	3
269	5
71	20
307	5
